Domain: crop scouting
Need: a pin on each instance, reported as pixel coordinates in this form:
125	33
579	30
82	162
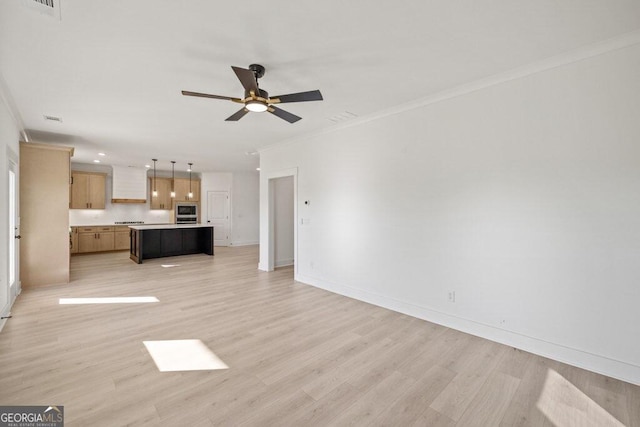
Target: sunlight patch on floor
183	355
566	405
108	300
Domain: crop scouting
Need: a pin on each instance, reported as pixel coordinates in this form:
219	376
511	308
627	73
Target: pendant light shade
173	179
190	192
155	190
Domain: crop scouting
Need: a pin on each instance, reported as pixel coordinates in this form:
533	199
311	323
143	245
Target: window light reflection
183	355
565	404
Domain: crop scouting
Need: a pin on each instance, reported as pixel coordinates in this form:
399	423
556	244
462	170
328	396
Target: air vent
48	3
45	7
347	115
53	118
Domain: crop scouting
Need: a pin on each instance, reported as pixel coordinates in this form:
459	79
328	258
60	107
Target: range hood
129	185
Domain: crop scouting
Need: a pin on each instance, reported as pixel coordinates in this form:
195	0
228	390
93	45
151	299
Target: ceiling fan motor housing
257	69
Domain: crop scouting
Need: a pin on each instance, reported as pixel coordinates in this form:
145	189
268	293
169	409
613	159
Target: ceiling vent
53	118
45	7
347	115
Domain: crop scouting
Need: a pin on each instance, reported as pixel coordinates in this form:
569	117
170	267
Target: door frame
13	290
267	218
228	214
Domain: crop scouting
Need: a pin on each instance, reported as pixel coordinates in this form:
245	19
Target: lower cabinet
95	239
170	240
99	239
121	236
73	240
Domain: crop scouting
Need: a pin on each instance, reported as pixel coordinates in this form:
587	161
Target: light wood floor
297	356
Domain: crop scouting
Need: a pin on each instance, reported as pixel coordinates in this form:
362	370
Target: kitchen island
156	241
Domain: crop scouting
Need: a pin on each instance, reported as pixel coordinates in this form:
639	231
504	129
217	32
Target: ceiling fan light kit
257	100
256	106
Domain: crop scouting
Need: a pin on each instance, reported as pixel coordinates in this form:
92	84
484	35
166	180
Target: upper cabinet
182	190
87	190
163	199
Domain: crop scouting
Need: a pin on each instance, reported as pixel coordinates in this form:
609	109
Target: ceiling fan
257	100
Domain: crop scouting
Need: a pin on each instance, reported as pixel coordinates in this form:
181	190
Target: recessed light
96	161
147	166
257	169
101	154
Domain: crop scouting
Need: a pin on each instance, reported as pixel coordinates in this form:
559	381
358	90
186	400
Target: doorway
283	221
268	218
218	216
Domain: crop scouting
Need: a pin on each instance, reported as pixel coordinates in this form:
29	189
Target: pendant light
155	191
190	192
173	178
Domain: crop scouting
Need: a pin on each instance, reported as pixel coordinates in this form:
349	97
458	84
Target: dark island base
160	242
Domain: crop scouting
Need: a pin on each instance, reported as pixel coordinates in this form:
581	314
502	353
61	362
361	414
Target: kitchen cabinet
182	190
121	238
73	240
99	238
44	214
163	200
95	239
155	241
87	190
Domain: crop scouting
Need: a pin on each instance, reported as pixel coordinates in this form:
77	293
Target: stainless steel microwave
186	213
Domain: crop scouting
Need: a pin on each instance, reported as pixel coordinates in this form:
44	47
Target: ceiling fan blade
312	95
207	95
247	78
237	116
284	115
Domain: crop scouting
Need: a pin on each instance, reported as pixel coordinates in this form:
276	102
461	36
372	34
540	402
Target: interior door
218	216
14	231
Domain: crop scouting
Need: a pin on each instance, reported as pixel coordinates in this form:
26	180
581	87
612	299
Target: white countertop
168	226
102	224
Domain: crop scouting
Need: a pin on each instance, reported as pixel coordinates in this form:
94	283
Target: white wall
283	221
245	209
9	138
522	197
215	181
243	188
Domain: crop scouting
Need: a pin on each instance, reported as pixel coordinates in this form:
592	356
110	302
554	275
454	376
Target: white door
14	236
218	216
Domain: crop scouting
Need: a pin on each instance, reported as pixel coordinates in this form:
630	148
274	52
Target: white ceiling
113	70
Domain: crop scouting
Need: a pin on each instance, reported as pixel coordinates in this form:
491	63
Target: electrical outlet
452	296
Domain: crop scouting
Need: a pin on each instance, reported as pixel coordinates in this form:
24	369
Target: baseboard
592	362
284	262
4	321
251	243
